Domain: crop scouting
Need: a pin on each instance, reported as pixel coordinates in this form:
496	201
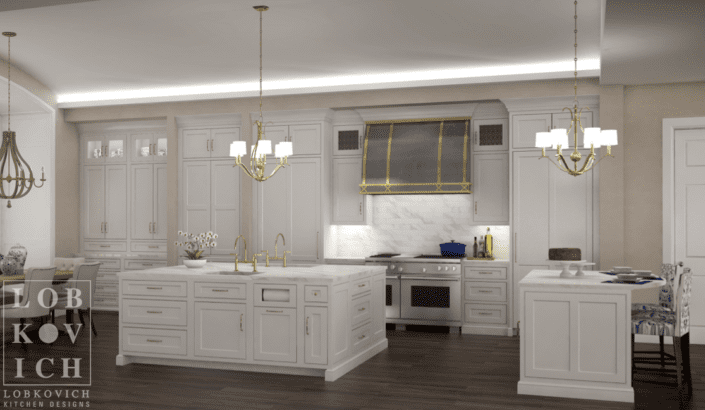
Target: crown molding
417	112
549	103
294	116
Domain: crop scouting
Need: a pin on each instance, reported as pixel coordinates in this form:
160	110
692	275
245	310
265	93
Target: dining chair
665	322
84	279
29	307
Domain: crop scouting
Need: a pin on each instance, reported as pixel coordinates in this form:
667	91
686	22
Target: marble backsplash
413	224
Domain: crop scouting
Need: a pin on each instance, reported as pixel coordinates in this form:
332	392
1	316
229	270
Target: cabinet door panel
348	204
222	138
220	330
562	120
196	199
141	147
525	127
305	209
491	187
275	334
142	181
94	205
348	139
316	335
116	201
274	214
225	205
116	148
305	138
196	144
93	150
531	208
490	135
160	147
160	201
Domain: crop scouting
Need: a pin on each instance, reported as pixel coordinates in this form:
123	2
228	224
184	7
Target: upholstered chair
84	279
666	322
66	266
35	280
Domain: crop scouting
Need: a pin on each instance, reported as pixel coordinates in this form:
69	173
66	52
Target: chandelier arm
247	171
273	172
588	165
599	160
27	182
19	180
556	164
561	160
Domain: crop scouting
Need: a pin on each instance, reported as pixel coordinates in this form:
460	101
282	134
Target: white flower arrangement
195	244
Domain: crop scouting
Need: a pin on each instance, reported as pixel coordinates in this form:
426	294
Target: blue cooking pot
453	249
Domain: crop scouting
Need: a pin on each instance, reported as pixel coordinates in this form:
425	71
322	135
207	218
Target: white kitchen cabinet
551	209
490	188
525	127
209	142
221	330
348	204
316	335
348	140
105	202
275	334
102	149
490	135
148	185
210	199
148	147
307	139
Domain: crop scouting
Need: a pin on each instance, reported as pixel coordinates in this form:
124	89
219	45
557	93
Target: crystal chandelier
593	137
262	148
12	165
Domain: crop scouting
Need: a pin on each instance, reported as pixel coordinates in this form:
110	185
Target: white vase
195	263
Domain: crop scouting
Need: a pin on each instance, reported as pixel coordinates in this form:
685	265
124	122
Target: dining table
10	282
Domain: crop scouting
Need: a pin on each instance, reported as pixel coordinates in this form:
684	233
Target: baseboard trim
488	330
339	371
625	394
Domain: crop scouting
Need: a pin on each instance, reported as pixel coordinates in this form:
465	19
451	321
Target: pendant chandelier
263	147
12	166
593	137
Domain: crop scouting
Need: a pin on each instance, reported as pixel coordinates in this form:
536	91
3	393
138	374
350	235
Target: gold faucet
236	259
276	251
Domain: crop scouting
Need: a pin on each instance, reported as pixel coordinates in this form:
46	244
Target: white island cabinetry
318	320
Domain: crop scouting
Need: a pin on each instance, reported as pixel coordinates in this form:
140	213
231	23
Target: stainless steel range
421	290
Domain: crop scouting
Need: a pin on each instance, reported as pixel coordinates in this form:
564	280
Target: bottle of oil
488	244
474	248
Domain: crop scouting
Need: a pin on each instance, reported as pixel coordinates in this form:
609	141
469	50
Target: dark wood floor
420	370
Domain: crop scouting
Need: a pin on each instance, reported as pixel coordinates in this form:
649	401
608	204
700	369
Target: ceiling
106	52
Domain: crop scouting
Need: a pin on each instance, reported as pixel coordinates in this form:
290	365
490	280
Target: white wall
30	221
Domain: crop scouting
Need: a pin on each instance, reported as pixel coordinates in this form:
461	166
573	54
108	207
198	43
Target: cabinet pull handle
475	207
207	146
104	246
211	145
275	311
153	247
360	310
360	208
106	227
241	314
154	311
220	290
484	291
362	285
146	264
485	273
307	325
484	313
316	245
361	337
154	288
154	227
475	137
101	227
154	341
515	247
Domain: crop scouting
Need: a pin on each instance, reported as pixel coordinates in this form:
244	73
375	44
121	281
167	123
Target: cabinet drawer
359	287
154	312
484	313
316	294
361	310
111	288
141	264
220	290
105	246
106	264
172	342
486	291
147	247
485	273
146	288
361	337
275	295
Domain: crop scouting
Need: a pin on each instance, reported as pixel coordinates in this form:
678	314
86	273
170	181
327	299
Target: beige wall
67	187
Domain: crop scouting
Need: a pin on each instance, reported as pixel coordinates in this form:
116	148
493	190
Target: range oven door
393	294
431	299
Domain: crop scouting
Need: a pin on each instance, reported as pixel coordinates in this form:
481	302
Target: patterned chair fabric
669	274
667	322
68	264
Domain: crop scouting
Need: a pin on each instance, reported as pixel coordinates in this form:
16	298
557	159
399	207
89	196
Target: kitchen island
314	320
575	336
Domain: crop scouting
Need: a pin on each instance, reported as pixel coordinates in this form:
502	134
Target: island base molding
488	330
330	375
622	394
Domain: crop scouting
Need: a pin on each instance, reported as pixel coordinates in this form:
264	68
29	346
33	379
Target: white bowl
195	263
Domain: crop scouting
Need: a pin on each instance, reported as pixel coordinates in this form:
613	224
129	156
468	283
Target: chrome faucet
276	251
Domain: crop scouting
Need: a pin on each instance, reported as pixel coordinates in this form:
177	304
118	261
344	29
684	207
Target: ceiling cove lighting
262	148
15	182
557	138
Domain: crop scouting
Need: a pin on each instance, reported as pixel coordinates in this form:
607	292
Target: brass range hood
417	156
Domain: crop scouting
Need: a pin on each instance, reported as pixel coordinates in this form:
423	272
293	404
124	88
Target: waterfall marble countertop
298	273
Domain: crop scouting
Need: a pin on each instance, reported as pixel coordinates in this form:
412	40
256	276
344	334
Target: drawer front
147	288
275	295
109	288
105	246
106	264
484	313
142	264
316	294
361	310
486	291
154	312
361	337
220	290
359	287
486	273
170	342
147	247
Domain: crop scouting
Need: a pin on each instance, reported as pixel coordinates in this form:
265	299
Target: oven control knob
446	268
453	268
439	268
423	270
401	269
392	266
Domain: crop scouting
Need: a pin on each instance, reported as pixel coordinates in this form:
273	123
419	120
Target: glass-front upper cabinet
148	147
100	149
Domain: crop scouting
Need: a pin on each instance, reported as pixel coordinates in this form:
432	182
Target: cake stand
565	273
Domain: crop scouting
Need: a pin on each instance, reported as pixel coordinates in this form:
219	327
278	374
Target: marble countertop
550	279
298	273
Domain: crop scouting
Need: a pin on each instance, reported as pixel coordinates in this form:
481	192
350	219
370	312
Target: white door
562	120
225	205
275	334
221	330
116	201
160	202
94	205
221	138
274	211
142	180
316	335
490	187
305	209
348	204
196	197
525	127
197	144
690	218
306	139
